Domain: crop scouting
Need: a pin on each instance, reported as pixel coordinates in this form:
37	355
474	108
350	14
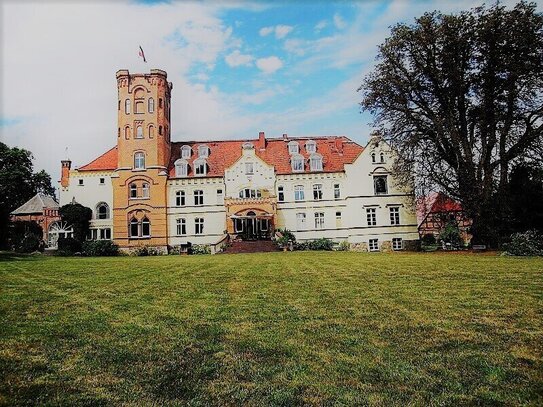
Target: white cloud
236	58
321	25
281	31
339	22
269	64
266	31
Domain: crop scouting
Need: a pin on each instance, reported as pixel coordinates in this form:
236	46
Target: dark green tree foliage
78	216
460	98
25	236
526	198
18	183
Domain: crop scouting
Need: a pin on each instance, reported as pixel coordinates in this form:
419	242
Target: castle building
148	190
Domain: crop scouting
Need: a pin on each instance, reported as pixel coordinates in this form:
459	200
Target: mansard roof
106	162
335	150
36	204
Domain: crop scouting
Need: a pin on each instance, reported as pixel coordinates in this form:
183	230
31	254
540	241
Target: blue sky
237	68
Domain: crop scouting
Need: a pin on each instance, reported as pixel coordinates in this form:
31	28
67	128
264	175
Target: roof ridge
97	158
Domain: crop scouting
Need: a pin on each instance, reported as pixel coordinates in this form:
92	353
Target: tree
18	183
526	198
460	98
78	216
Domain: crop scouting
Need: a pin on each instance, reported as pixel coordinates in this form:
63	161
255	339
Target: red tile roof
106	162
336	151
436	202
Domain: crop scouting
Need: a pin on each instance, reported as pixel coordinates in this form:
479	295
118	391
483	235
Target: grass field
312	328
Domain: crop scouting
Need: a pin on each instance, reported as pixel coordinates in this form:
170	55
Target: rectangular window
220	199
199	226
300	221
80	182
319	220
380	185
249	169
299	194
198	197
317	192
102	181
145	190
338	219
200	168
371	216
105	234
395	215
180	198
297	164
397	243
181	226
280	194
374	245
337	191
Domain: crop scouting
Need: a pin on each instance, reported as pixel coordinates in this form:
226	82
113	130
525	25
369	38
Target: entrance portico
250	218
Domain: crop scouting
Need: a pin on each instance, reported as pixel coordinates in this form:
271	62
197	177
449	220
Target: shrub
321	244
529	243
200	249
343	246
451	234
68	246
146	251
428	239
100	248
28	244
286	236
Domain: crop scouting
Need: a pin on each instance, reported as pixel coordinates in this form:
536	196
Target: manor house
149	190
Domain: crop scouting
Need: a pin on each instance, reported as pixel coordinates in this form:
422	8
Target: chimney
285	136
262	140
65	174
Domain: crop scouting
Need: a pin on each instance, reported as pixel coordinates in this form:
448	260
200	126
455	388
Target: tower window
133	191
139	107
127	106
151	105
139	161
382	157
134	227
127	132
160	130
160	103
145	227
151	131
139	132
145	190
119	105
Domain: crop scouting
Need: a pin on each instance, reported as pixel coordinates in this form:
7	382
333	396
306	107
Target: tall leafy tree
461	98
18	183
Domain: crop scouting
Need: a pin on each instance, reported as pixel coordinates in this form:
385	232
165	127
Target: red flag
142	54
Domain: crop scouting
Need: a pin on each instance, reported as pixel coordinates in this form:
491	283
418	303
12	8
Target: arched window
118	132
181	168
186	152
293	147
203	151
373	159
382	157
297	162
250	193
127	106
160	103
102	211
145	190
138	108
134	228
151	131
200	167
133	191
151	105
145	227
315	162
160	130
139	160
311	146
380	184
139	132
127	132
119	105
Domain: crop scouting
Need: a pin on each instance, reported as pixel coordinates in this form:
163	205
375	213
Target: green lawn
312	328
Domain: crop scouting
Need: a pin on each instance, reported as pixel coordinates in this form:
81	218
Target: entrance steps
251	246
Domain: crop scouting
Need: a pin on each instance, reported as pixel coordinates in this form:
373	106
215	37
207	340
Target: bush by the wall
200	249
428	239
318	244
100	248
28	244
451	234
343	246
287	236
529	243
146	251
68	246
25	236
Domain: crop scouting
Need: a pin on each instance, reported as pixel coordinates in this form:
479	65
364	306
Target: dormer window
203	151
311	147
200	166
293	148
186	152
181	168
315	162
248	146
297	162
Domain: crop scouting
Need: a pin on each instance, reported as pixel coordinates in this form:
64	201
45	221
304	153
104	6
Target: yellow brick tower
143	143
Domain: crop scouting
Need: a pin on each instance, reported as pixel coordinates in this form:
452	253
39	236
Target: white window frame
181	226
337	191
297	163
186	152
139	160
299	193
395	245
180	198
145	190
199	226
198	197
315	162
127	106
373	245
151	105
181	168
371	216
139	131
394	212
280	193
317	192
133	190
249	168
319	220
293	148
375	178
301	220
311	146
200	167
203	151
102	205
